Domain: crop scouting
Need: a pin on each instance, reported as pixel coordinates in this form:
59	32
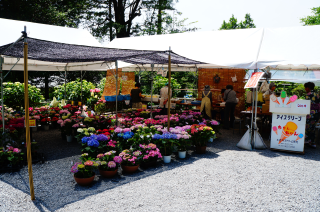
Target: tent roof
71	49
288	47
68	53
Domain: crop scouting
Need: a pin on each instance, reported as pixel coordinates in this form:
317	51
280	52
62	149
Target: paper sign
32	123
288	132
254	79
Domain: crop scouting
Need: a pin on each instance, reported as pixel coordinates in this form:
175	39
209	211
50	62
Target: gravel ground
224	179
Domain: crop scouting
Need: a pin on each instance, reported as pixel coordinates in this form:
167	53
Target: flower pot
34	129
69	138
182	154
210	140
201	149
84	181
45	127
108	174
129	169
167	159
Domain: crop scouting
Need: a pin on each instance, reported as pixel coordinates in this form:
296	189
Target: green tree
312	19
54	12
233	23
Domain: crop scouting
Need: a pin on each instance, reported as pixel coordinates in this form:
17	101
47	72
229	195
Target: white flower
141	136
79	130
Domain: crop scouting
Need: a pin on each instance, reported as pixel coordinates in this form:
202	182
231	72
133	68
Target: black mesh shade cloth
68	53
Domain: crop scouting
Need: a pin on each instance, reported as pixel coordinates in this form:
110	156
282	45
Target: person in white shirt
164	99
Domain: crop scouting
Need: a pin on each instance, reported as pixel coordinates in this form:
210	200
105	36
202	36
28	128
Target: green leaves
312	19
233	23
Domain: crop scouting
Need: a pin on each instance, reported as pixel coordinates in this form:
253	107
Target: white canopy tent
290	48
13	28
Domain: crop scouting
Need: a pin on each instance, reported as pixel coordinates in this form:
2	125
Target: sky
210	14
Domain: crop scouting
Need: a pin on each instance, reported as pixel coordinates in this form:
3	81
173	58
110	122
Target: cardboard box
265	108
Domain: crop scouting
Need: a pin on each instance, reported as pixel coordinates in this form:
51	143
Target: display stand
288	123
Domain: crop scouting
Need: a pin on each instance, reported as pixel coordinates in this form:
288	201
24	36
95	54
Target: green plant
73	91
13	94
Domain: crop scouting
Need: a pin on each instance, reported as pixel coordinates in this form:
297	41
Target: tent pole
26	105
116	92
2	101
81	86
169	88
152	66
65	83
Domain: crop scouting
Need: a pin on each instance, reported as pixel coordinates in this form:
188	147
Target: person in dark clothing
230	98
136	96
313	117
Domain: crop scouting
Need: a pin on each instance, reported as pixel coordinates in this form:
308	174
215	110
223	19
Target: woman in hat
206	102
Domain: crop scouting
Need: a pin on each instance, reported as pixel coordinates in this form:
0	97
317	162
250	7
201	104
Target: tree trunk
159	27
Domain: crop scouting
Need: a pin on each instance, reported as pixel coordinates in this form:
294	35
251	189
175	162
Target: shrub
73	90
13	94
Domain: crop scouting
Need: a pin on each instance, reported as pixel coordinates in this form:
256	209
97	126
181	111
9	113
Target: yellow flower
80	166
313	98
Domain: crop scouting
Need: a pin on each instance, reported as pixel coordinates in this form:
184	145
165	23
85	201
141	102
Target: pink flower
97	90
88	163
117	159
100	156
10	148
112	164
16	150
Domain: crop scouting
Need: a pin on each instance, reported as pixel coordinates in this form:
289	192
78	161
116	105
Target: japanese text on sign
289	117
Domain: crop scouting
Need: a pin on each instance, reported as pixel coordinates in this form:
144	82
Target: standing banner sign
288	123
254	79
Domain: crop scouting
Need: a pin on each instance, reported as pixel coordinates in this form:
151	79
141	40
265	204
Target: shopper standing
231	102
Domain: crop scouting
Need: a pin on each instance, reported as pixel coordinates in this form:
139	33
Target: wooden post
169	87
26	106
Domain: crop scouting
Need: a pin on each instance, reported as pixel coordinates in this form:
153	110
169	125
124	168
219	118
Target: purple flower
102	137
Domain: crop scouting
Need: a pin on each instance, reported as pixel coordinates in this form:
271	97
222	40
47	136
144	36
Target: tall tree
54	12
233	23
312	19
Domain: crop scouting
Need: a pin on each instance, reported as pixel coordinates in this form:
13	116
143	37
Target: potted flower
108	164
215	125
183	141
45	123
165	142
150	154
67	128
130	160
200	135
84	172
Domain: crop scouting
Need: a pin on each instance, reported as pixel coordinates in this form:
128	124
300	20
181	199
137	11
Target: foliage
10	156
233	23
293	89
54	12
158	83
13	94
312	19
73	91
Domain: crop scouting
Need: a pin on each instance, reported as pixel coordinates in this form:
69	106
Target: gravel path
224	179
